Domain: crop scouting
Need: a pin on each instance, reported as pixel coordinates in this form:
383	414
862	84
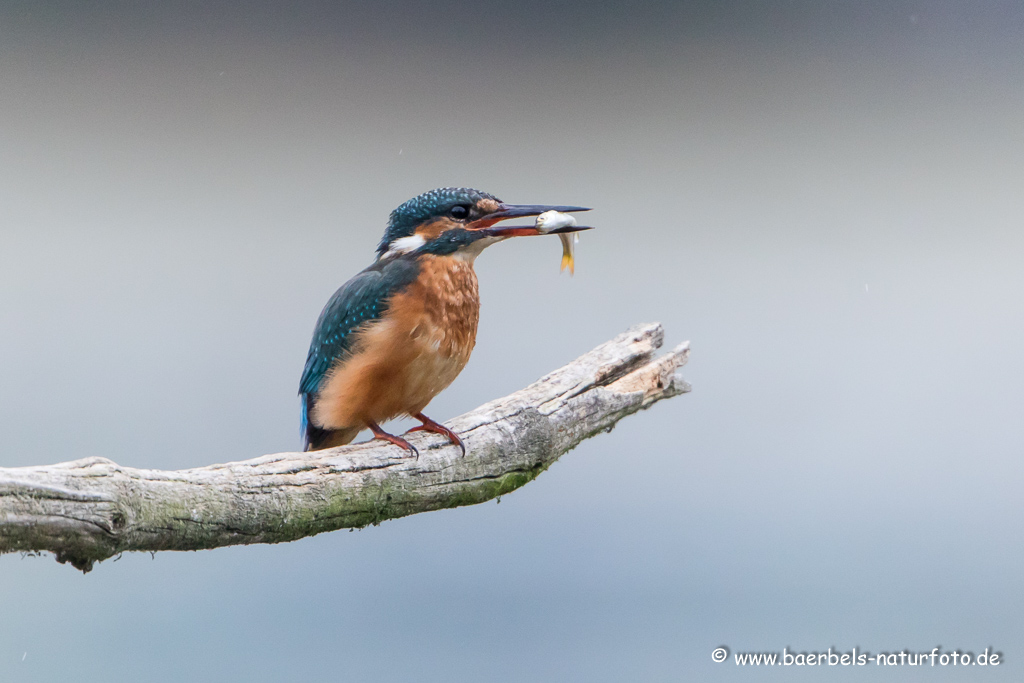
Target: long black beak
519	210
506	211
528	230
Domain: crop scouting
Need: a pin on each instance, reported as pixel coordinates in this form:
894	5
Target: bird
400	331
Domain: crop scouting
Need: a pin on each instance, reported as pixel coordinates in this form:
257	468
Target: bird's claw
437	428
379	433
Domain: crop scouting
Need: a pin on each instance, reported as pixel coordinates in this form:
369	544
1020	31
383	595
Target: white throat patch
403	245
469	253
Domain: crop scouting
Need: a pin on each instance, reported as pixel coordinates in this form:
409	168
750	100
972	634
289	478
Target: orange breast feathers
400	362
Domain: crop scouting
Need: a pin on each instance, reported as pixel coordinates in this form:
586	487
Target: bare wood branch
89	510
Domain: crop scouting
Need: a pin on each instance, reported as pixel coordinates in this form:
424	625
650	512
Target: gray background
824	197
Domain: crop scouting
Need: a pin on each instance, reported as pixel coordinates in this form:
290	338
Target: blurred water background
825	198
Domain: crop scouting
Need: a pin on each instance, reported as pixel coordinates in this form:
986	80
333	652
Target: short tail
315	438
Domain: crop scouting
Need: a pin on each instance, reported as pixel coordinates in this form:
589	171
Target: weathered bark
92	509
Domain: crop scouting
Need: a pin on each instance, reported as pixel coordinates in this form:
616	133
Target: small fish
552	220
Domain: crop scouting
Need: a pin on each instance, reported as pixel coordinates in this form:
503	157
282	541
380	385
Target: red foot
437	428
379	433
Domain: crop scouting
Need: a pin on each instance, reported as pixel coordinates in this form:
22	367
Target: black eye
458	211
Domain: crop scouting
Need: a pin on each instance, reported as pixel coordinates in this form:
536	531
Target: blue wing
362	299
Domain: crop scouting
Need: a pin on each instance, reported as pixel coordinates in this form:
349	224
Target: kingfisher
400	331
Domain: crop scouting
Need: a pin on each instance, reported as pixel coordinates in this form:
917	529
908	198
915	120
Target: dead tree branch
92	509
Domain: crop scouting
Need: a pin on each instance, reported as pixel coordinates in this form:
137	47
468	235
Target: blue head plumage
432	204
